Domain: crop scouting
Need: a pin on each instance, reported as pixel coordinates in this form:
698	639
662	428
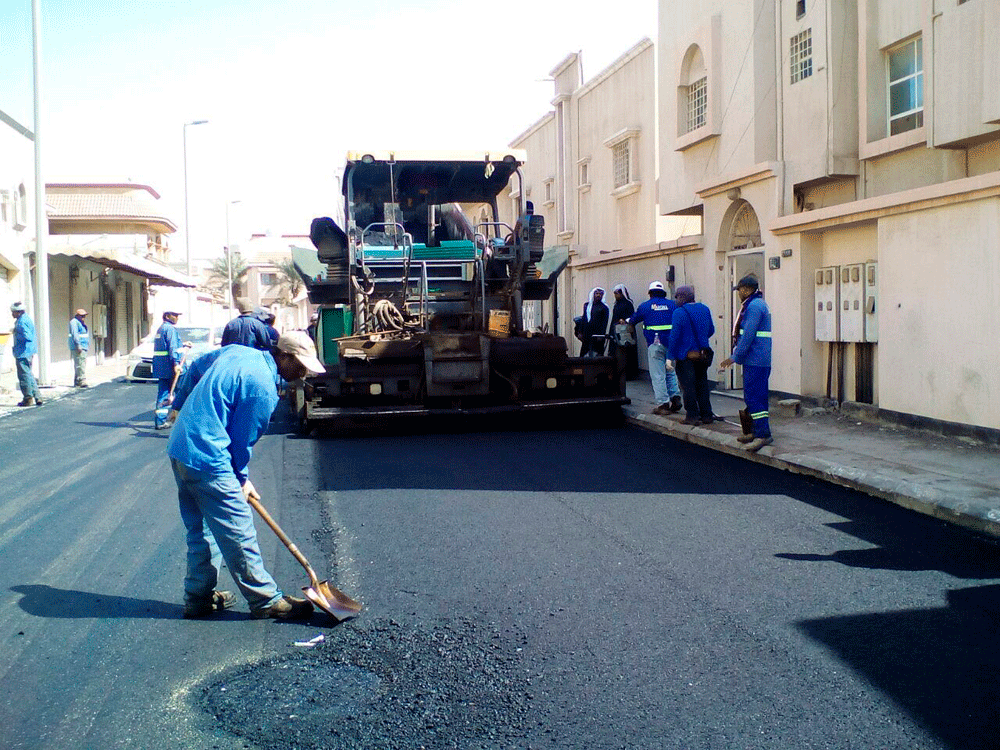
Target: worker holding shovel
225	399
166	366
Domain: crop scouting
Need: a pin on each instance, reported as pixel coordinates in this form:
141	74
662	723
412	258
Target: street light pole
41	217
187	231
229	256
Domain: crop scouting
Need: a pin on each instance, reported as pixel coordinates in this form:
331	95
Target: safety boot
28	401
286	608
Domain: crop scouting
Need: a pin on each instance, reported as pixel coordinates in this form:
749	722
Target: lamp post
41	217
229	256
187	231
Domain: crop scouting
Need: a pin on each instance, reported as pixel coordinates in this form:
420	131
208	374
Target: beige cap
299	344
81	311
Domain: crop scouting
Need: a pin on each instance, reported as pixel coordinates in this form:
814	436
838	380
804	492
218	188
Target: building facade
848	153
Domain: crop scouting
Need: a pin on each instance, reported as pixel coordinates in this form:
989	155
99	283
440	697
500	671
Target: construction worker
656	315
24	350
166	366
247	329
690	348
79	343
752	349
225	399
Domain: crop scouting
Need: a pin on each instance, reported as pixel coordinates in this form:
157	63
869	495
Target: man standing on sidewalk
166	365
690	349
752	349
24	350
655	314
79	343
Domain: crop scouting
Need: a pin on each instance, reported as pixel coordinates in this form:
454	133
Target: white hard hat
656	285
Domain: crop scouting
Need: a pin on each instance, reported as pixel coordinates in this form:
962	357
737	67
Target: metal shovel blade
333	601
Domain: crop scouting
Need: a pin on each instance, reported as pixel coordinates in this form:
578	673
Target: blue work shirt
247	331
225	398
693	327
754	344
79	336
656	315
25	344
166	351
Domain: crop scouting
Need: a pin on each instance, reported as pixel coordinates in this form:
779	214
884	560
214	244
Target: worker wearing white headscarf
620	336
594	326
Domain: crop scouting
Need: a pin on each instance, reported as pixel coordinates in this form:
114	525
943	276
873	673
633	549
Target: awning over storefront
155	272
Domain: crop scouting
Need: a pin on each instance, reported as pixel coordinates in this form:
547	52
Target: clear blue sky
287	86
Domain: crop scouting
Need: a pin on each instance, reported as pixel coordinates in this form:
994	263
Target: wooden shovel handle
262	512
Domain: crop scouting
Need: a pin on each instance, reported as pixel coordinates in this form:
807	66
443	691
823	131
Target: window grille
621	162
905	80
800	55
697	104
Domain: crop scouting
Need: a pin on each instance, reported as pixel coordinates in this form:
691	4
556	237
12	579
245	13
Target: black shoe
38	402
690	420
710	420
219	601
675	404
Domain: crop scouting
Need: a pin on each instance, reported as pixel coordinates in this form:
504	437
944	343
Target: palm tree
218	274
289	280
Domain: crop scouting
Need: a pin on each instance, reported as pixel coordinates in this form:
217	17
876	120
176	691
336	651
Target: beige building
592	172
266	284
847	152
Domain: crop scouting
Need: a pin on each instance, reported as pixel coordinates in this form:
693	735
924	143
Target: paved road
717	604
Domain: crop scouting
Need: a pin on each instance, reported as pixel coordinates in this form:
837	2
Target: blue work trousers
162	393
26	378
664	381
755	393
219	525
693	375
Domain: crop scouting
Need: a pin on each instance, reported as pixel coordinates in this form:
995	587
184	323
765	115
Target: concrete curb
980	515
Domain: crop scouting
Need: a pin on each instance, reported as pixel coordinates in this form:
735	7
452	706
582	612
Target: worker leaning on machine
166	365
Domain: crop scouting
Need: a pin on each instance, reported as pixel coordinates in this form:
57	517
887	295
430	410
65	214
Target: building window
583	176
268	279
905	64
800	8
801	55
697	104
621	163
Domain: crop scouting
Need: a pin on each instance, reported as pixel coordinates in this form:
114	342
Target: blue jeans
664	380
26	379
219	525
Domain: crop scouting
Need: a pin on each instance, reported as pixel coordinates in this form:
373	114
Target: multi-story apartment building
848	153
592	173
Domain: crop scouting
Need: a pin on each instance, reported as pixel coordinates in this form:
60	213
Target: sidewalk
10	394
948	478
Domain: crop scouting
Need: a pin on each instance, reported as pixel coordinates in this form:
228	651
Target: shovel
331	600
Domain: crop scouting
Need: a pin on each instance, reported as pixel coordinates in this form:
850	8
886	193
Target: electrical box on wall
871	301
826	303
852	292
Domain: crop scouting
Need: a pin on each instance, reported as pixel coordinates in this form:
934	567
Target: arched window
745	231
692	92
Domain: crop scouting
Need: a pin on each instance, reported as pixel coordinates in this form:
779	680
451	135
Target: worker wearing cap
166	364
225	400
25	348
247	329
752	349
79	343
656	314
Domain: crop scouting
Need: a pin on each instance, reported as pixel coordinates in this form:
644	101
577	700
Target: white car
140	360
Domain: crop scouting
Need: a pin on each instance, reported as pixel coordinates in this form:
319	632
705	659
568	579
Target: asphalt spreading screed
383	685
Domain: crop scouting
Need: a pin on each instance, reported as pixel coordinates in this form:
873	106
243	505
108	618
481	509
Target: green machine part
334	323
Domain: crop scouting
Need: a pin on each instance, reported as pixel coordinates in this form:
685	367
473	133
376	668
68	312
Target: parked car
140	359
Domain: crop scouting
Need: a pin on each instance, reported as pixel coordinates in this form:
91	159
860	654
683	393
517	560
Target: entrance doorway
745	256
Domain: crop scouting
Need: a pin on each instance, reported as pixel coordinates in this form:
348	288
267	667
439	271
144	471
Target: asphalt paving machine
420	312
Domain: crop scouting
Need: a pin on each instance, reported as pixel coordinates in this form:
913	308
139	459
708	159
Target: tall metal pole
41	219
229	257
187	231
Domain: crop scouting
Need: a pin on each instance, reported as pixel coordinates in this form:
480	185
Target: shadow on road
45	601
939	665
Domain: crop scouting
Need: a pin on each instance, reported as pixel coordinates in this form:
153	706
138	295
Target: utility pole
187	231
41	219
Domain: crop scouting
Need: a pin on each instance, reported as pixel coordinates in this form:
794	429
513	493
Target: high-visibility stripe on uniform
759	415
760	334
659	328
160	354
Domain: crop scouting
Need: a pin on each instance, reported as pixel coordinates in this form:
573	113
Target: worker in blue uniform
691	350
752	349
656	315
247	329
24	349
225	400
167	355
